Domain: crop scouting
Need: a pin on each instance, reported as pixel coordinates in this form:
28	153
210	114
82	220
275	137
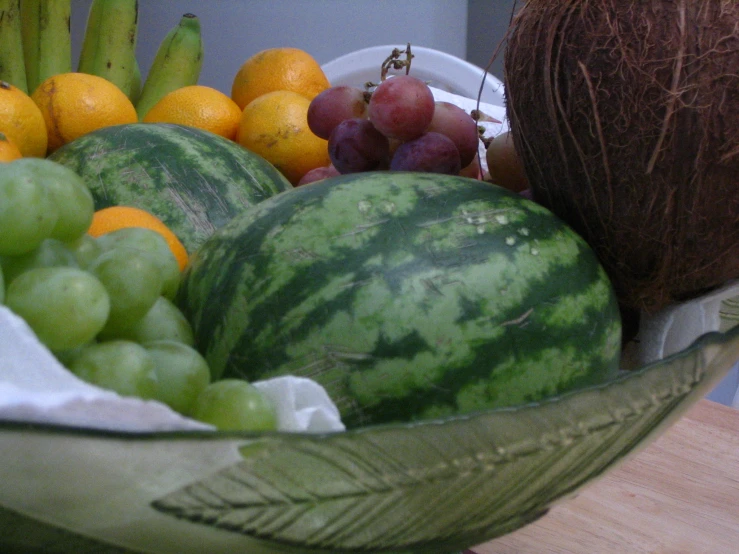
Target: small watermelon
407	296
193	180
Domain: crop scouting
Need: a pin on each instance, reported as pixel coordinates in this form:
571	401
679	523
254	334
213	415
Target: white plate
443	71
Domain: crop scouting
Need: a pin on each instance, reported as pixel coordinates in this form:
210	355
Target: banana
177	63
135	92
47	44
12	65
109	47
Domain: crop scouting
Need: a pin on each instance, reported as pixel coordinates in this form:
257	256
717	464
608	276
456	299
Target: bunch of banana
109	46
47	44
177	64
12	66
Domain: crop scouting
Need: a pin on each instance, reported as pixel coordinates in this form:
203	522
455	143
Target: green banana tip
190	20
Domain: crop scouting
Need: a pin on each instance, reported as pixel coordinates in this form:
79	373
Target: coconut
626	117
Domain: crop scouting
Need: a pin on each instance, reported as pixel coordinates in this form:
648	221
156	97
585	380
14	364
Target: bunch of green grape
104	306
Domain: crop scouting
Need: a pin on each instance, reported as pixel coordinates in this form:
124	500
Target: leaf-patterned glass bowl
436	486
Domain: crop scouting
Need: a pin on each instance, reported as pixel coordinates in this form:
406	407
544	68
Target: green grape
71	196
50	253
133	283
28	210
65	357
163	322
235	405
85	250
182	374
154	244
65	306
121	366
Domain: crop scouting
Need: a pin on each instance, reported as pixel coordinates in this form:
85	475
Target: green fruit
50	253
133	282
407	296
65	306
71	196
85	250
181	374
193	180
28	210
121	366
153	245
235	405
164	321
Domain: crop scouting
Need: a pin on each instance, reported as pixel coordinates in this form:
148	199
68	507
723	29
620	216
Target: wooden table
680	495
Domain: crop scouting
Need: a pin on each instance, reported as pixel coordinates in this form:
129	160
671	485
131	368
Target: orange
198	106
74	104
278	69
8	150
275	126
119	217
21	121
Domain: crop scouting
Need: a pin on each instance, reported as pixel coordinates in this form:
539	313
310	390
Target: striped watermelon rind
194	180
407	296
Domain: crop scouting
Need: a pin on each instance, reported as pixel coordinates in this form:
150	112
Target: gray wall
233	30
486	28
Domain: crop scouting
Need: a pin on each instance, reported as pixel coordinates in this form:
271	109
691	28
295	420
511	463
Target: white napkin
302	404
35	387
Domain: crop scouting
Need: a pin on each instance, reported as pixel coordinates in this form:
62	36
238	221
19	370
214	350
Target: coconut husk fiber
625	114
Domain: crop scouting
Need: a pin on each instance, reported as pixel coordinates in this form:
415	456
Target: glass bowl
436	486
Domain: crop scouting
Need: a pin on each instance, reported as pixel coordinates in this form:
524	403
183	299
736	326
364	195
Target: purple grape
355	145
431	153
334	105
402	107
452	121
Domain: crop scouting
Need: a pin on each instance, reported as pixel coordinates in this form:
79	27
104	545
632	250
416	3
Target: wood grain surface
680	495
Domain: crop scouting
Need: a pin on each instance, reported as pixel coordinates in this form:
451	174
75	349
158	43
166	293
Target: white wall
233	30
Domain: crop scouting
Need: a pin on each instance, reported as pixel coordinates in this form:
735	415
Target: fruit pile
107	87
153	236
281	105
100	296
396	125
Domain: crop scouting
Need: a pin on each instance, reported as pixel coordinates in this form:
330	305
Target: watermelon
193	180
408	296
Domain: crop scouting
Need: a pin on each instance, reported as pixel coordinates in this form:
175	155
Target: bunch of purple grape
398	126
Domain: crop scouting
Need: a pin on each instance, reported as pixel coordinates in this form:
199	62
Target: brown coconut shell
625	114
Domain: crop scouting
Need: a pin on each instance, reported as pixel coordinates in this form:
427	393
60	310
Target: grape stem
393	61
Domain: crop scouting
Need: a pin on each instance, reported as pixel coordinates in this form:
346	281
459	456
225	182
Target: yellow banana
177	63
109	47
12	65
47	44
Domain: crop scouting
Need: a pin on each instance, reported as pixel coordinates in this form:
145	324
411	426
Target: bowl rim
461	75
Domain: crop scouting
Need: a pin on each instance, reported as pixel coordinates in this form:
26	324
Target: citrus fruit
198	106
278	69
119	217
73	104
8	150
275	126
21	121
